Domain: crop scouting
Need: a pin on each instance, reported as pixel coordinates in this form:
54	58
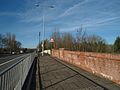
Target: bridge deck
58	75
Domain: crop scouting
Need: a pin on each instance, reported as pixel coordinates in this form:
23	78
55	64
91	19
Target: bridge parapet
13	77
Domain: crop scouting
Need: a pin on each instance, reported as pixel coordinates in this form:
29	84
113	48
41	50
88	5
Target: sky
24	18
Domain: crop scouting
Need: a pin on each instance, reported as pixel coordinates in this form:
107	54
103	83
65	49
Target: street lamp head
51	6
37	5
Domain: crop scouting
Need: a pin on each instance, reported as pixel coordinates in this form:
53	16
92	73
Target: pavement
55	74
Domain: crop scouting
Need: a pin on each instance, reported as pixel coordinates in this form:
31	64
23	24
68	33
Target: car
21	51
13	52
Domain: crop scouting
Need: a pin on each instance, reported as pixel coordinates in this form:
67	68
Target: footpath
54	74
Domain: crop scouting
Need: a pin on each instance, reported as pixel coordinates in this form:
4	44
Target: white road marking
11	60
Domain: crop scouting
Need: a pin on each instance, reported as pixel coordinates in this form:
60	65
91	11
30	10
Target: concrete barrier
101	64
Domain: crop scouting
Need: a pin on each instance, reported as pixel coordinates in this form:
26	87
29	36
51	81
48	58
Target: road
9	61
4	55
58	75
6	58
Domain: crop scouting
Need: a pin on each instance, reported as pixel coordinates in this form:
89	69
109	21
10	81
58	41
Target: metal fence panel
14	77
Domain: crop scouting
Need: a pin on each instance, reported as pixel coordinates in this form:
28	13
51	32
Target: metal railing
13	77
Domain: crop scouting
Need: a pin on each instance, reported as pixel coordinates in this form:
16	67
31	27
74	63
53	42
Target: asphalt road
6	58
9	61
4	55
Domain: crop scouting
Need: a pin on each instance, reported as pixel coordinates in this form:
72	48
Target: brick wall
105	65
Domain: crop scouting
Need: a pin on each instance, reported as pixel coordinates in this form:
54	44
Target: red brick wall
106	65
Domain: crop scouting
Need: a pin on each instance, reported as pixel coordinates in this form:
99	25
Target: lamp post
43	35
43	21
39	42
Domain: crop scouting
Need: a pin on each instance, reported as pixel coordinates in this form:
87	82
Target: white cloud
92	23
10	14
100	22
71	9
31	19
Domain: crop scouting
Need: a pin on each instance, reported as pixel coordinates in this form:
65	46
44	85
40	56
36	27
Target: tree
95	43
68	41
82	42
18	44
47	44
9	43
81	39
57	39
1	41
117	45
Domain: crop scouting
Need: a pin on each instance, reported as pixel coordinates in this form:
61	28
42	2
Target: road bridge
22	72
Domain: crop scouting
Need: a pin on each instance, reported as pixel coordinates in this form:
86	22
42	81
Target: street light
39	42
43	21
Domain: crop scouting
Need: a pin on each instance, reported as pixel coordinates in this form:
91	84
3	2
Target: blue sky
23	18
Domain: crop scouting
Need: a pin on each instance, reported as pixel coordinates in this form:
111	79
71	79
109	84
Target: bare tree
57	38
10	42
1	41
81	39
68	40
95	44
